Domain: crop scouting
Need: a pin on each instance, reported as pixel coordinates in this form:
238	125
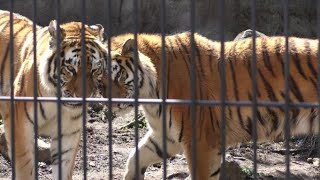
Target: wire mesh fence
163	103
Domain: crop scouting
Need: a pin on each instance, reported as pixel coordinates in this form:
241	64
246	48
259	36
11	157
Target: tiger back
48	56
270	79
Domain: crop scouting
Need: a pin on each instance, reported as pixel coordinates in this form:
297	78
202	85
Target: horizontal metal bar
168	101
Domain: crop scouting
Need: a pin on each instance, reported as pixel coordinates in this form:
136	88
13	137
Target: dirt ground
271	159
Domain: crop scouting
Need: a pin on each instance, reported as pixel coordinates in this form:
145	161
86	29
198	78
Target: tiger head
122	74
69	54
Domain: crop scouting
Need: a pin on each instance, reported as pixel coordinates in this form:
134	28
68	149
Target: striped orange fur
47	58
270	56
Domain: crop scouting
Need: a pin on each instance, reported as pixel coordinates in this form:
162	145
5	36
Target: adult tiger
270	55
71	72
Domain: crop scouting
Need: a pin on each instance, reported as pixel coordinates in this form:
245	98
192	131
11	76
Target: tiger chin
270	56
48	57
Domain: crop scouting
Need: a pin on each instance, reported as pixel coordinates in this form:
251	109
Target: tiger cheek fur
238	56
47	55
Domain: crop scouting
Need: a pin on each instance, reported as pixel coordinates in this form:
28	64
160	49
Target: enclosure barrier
193	102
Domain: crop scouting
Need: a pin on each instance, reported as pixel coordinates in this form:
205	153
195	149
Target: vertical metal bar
164	85
58	65
254	88
193	79
222	89
84	87
13	157
109	115
35	89
318	75
135	82
287	107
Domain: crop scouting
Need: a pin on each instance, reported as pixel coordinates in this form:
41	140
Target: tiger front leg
23	146
150	152
70	139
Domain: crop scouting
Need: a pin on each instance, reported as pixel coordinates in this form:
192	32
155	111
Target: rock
316	162
44	148
248	33
235	168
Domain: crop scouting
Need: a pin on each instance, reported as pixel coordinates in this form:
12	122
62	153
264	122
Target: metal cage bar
223	88
135	83
165	77
35	90
254	88
84	87
286	90
193	79
318	70
12	109
109	94
58	65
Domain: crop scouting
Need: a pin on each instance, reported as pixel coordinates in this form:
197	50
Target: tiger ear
99	29
53	31
127	47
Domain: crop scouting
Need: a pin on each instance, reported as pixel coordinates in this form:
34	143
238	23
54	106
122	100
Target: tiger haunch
48	57
270	53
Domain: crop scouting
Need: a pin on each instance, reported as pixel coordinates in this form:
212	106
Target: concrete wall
269	15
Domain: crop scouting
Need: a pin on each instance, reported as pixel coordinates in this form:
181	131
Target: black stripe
170	117
211	117
157	148
249	126
295	114
150	48
27	114
266	57
215	173
49	71
260	118
129	65
43	114
142	76
210	59
27	48
179	42
77	116
160	110
312	120
274	118
54	156
296	59
294	88
234	81
314	83
25	164
268	87
21	85
172	49
309	61
278	52
230	112
181	130
67	135
240	117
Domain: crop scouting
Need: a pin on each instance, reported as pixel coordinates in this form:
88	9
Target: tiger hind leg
207	162
150	151
24	147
